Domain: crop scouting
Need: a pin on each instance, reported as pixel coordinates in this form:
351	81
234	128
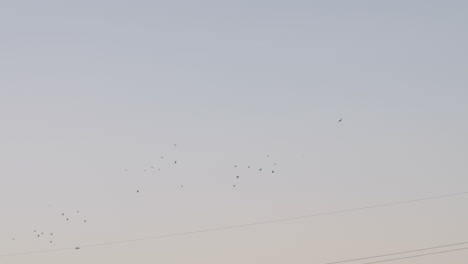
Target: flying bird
341	119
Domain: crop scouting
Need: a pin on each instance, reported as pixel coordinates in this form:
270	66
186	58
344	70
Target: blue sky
91	88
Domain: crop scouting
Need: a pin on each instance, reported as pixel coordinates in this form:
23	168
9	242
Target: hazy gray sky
91	88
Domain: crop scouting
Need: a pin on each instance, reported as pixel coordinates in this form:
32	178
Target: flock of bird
50	235
249	167
67	217
237	177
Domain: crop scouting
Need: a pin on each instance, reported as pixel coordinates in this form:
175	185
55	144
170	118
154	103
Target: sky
93	93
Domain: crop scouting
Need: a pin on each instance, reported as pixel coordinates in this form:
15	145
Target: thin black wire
242	225
399	253
418	256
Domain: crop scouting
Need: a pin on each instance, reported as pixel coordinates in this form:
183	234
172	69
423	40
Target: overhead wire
399	253
240	225
417	256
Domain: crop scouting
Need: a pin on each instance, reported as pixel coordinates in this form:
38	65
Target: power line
35	252
418	256
399	253
242	225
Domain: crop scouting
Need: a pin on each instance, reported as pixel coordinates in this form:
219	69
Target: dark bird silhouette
341	119
77	248
175	162
138	191
259	169
234	185
237	177
272	171
85	221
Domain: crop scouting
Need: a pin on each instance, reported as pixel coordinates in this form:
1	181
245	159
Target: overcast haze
91	88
